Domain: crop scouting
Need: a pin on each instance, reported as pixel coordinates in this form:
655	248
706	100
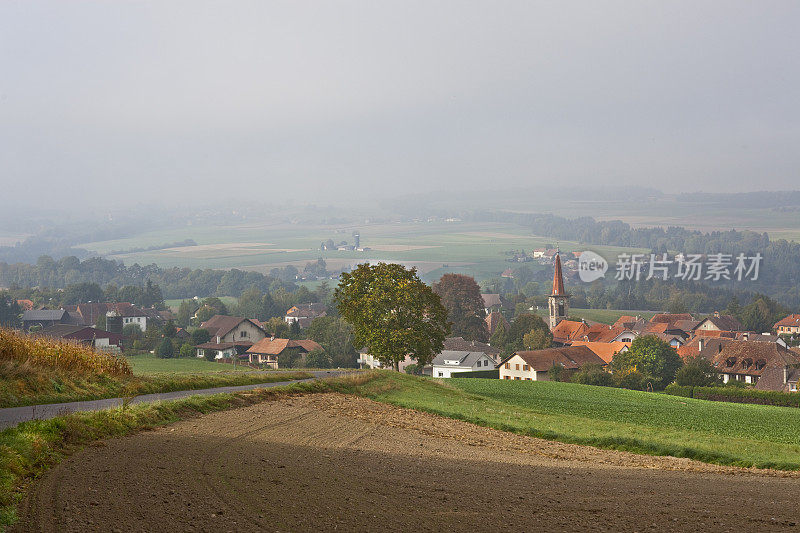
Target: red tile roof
272	346
789	321
568	330
603	350
571	357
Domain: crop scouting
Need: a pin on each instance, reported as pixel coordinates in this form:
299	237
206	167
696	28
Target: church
558	301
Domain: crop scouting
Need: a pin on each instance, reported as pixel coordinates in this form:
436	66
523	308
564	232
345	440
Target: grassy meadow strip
31	448
639	422
29	385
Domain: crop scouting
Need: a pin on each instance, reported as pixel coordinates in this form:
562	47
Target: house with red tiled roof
567	331
604	350
767	365
718	322
266	351
788	325
535	365
304	314
230	336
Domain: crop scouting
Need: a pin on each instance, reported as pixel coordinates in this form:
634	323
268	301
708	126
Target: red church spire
558	279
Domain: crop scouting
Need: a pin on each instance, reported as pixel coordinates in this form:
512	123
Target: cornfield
68	356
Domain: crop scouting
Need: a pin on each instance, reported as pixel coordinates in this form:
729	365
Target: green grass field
647	423
144	365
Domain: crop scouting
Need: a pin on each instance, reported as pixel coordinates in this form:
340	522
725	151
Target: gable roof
789	321
463	345
465	359
45	314
571	357
604	350
491	300
741	357
568	330
722	322
221	325
273	346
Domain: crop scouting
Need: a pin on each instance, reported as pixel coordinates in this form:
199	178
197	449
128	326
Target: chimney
716	314
746	335
785	374
701	343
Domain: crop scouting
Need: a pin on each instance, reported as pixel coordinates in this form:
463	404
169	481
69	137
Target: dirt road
326	462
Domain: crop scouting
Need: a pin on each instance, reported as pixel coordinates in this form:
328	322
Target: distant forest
174	282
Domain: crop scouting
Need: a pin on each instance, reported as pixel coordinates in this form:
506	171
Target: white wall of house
517	368
245	331
140	321
445	371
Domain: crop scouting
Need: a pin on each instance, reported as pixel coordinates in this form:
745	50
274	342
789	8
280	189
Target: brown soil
326	461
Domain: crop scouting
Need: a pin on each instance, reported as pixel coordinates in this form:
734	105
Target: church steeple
558	302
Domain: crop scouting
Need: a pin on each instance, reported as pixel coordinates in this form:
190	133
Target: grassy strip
31	448
563	419
31	386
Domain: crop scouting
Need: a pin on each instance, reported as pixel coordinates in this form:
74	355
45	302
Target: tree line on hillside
174	282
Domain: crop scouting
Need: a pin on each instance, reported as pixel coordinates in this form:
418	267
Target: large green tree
335	335
392	312
531	325
650	356
461	296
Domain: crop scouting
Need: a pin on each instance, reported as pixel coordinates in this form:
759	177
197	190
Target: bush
187	350
737	394
200	336
412	369
165	350
698	372
593	375
318	359
634	380
651	357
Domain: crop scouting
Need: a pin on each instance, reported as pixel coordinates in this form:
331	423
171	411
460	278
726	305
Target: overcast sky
124	101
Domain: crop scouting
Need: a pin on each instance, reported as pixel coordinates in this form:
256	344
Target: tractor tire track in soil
328	461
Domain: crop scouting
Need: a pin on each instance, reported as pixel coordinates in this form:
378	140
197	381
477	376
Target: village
762	360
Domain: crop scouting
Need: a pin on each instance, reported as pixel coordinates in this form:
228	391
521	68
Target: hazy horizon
109	104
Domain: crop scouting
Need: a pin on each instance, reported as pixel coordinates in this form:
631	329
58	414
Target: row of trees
174	282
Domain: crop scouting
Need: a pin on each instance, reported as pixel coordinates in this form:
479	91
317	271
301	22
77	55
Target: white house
450	361
534	365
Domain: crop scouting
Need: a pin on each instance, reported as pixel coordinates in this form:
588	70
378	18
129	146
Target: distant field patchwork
433	248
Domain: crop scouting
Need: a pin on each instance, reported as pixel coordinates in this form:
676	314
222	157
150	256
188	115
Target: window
506	377
441	374
508	366
526	368
517	377
517	367
793	387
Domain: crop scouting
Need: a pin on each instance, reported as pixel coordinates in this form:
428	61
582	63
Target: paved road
12	416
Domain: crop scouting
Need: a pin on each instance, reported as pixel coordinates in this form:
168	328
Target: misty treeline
779	275
174	282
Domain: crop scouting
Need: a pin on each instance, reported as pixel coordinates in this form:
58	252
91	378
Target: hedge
736	395
486	374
